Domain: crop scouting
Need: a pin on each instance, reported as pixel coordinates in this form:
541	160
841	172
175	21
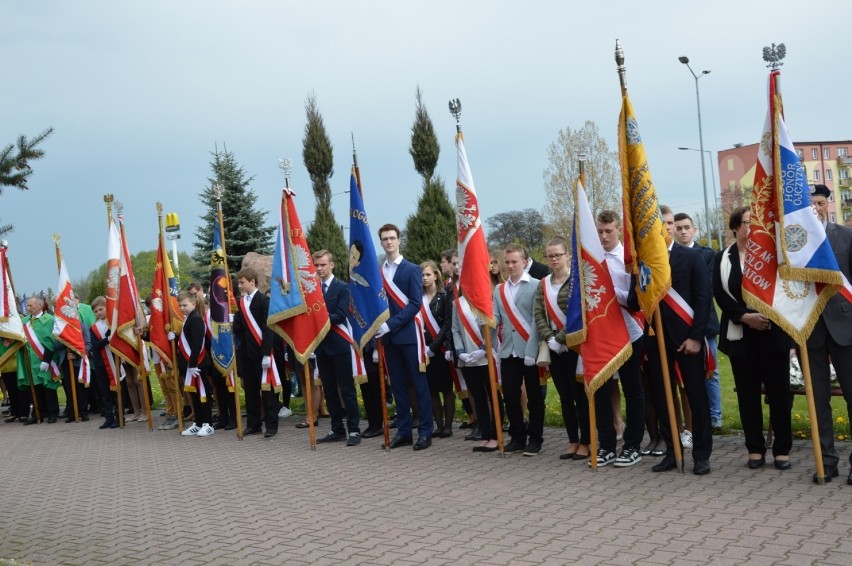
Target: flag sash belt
519	323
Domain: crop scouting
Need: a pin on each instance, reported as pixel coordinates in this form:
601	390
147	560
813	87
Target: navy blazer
196	336
409	279
709	256
337	299
691	280
259	308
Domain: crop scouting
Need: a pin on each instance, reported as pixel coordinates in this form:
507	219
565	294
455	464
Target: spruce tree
324	232
432	228
14	166
245	225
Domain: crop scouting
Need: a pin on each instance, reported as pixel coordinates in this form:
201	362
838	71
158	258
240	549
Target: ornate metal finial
159	208
286	166
455	110
119	208
108	198
774	56
4	244
581	162
217	191
56	238
354	155
619	62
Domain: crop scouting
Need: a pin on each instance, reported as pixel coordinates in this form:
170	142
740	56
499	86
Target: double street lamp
685	61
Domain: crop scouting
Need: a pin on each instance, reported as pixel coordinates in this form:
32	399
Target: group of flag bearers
590	316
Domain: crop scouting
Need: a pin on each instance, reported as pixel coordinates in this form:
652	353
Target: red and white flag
11	328
474	259
67	326
127	315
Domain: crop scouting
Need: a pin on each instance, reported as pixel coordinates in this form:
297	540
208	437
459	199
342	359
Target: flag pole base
680	466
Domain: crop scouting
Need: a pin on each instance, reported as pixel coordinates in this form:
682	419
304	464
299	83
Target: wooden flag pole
71	379
309	405
667	387
593	431
25	347
167	303
492	378
383	392
239	415
140	348
809	396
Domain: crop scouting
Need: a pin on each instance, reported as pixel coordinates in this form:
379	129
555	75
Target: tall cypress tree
324	232
432	228
245	229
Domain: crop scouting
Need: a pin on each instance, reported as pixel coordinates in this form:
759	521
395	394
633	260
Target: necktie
324	288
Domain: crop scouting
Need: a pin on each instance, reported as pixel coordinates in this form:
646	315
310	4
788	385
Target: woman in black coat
436	328
759	353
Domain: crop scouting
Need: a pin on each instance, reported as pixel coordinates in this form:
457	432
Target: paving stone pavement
78	495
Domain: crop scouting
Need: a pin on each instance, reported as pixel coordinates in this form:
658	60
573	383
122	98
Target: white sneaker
206	430
285	412
192	430
686	439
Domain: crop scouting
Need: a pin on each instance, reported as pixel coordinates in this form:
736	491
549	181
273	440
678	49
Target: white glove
43	366
383	329
171	336
476	356
553	344
448	356
191	373
286	357
375	356
312	357
465	358
562	349
430	353
529	362
266	363
231	318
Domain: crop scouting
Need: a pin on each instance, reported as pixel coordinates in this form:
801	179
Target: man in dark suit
832	338
402	338
255	354
537	270
684	339
685	231
334	356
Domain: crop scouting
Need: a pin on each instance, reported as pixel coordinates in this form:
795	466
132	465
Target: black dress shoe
474	434
218	425
830	472
398	441
304	424
51	420
757	464
423	443
332	437
701	467
849	479
69	419
250	431
782	464
467	425
84	418
230	426
372	433
268	434
11	419
666	464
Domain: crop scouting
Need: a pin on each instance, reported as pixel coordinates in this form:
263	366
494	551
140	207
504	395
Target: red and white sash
109	361
398	297
359	370
37	346
429	320
194	384
469	323
519	323
682	309
186	350
253	326
554	314
270	380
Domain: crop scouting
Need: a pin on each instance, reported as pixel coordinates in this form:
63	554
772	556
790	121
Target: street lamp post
685	61
715	190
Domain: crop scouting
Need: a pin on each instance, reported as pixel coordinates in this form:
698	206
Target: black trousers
203	409
572	396
692	372
841	357
252	371
48	402
339	385
225	399
10	378
82	392
479	385
773	371
100	380
634	399
515	373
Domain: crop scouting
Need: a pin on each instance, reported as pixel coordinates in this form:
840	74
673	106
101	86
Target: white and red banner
67	326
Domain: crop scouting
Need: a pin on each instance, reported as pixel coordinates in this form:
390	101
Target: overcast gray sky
139	93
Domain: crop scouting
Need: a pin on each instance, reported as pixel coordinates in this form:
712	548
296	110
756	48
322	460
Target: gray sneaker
170	424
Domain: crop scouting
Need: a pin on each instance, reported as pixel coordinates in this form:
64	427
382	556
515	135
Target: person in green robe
41	325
